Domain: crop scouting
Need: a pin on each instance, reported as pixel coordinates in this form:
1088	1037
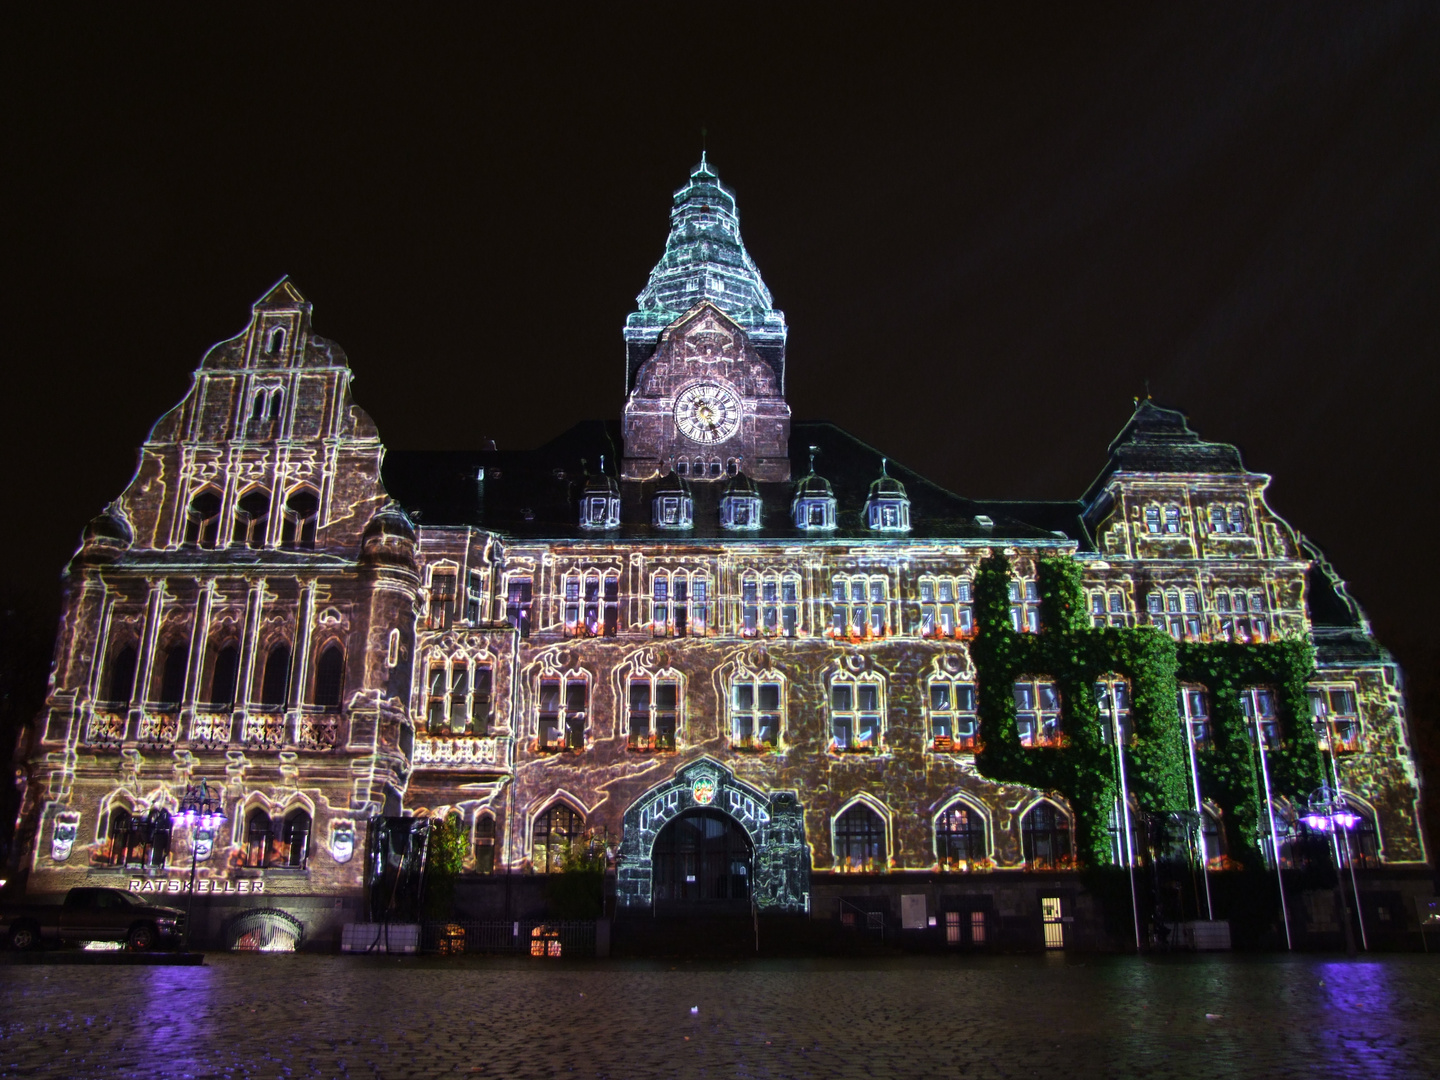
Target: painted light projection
747	658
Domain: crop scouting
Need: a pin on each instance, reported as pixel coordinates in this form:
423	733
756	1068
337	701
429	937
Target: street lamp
201	812
1328	812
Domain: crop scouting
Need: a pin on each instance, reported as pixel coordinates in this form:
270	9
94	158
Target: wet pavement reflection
1228	1017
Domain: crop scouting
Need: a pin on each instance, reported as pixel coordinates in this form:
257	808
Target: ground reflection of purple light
1355	993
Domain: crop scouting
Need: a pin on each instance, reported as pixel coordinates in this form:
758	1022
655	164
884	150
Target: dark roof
1159	440
535	494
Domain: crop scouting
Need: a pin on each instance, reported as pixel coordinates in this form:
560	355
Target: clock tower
705	353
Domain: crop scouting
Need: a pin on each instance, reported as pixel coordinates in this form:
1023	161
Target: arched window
959	837
295	839
1045	833
554	832
302	519
122	676
155	834
275	688
330	677
485	844
117	837
172	678
276	342
257	837
860	839
252	513
202	520
223	678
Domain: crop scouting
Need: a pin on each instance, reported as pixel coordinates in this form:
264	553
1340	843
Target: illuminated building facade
735	648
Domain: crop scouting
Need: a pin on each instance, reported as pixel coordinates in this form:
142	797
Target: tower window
202	524
252	513
302	520
276	342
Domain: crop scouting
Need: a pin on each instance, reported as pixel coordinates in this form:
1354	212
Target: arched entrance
702	859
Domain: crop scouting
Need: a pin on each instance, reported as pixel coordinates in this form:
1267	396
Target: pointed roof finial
813	451
602	463
883	462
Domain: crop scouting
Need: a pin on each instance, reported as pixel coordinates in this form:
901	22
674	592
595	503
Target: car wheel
143	937
24	936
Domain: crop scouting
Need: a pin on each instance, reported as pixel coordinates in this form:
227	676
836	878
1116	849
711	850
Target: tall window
769	604
485	844
295	840
330	677
458	698
858	605
1194	702
202	520
117	838
1025	606
172	678
252	514
1258	705
1152	518
860	840
517	604
442	598
960	837
679	603
592	603
473	591
257	838
121	686
945	610
223	678
564	707
654	713
554	833
755	716
275	686
952	715
1112	696
301	521
1336	717
1177	612
1045	836
1037	713
1172	518
855	711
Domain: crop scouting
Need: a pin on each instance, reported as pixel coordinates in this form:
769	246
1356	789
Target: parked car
92	914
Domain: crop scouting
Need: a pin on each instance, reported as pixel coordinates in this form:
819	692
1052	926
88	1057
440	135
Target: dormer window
673	508
888	507
740	505
600	512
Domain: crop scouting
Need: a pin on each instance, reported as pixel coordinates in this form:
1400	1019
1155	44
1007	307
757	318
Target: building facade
734	650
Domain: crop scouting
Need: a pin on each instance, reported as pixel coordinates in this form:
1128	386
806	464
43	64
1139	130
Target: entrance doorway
702	859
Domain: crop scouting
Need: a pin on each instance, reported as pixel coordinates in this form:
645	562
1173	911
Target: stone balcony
461	751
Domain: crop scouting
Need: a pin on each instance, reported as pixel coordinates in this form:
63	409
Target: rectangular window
1025	607
435	702
1195	711
517	604
612	606
1258	704
1037	714
755	715
572	604
654	714
473	591
1337	718
952	716
563	710
855	717
442	599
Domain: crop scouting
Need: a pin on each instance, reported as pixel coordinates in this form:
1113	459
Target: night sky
987	233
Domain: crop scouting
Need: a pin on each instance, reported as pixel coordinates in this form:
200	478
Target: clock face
707	413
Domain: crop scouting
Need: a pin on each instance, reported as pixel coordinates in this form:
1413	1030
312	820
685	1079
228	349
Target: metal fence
548	940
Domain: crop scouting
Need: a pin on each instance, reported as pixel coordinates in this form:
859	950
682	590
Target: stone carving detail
447	752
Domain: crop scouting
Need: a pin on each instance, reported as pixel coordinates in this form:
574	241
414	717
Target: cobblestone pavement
330	1016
